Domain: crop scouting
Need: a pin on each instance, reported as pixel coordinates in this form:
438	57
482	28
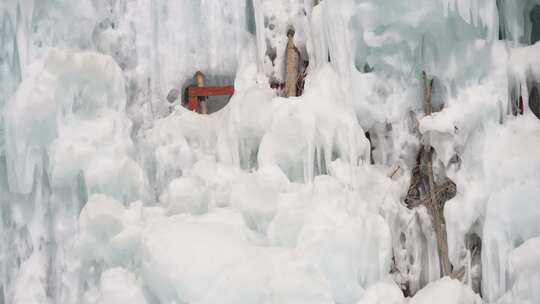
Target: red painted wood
193	103
211	91
195	92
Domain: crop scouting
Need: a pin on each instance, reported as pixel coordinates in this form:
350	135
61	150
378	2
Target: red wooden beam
195	92
211	91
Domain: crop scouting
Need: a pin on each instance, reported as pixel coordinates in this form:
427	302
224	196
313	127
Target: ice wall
109	194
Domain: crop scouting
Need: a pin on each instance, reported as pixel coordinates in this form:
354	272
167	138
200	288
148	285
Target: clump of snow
184	256
185	195
109	232
347	239
446	291
101	217
525	273
258	197
382	293
117	286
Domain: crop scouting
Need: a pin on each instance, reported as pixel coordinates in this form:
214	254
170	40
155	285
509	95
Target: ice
447	291
67	111
185	195
117	286
233	258
327	230
519	228
506	207
216	243
32	275
382	293
258	197
524	65
524	263
101	217
111	194
109	233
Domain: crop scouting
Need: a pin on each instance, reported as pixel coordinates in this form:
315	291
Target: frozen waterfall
111	194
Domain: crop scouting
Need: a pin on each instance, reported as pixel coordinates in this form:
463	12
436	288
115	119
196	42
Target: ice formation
109	194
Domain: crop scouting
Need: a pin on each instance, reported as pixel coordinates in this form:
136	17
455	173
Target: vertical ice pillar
318	39
259	33
339	40
25	9
331	37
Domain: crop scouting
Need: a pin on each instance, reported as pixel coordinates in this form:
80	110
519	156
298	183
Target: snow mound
185	195
109	232
118	286
382	293
525	273
209	259
446	291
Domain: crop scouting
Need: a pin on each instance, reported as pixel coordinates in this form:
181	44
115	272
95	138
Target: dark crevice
250	17
534	100
535	19
368	136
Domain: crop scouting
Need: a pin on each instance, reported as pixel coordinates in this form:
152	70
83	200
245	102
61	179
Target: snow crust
108	194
